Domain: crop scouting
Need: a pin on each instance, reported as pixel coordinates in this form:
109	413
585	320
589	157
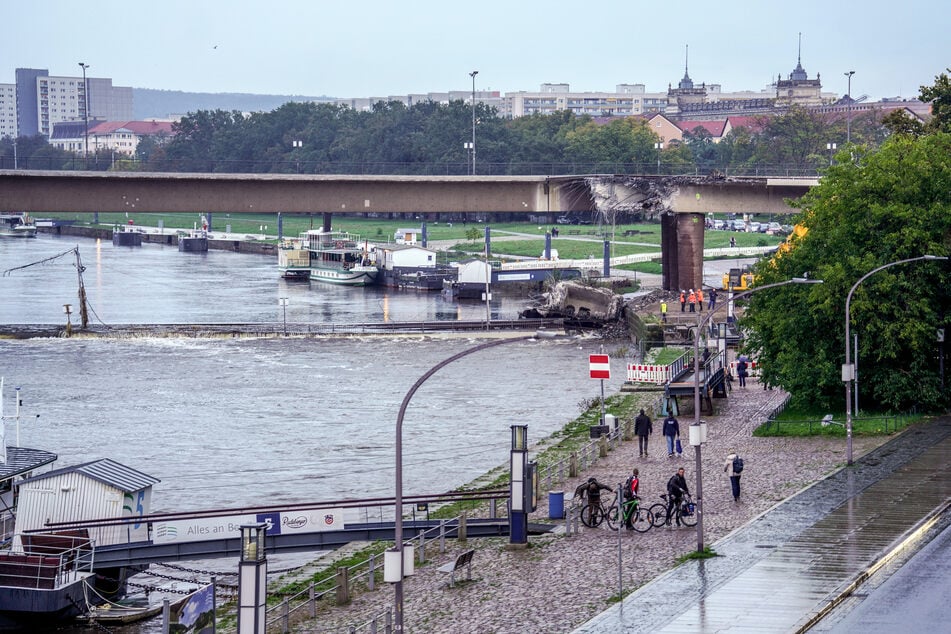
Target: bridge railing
392	168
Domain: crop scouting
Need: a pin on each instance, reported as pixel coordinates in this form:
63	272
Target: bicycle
684	513
633	514
593	516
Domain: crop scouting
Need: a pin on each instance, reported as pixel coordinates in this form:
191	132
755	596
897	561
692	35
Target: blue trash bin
556	505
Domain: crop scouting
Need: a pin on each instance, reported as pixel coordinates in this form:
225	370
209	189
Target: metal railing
340	586
393	168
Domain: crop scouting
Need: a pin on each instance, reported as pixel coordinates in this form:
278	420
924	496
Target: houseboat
411	266
46	576
17	226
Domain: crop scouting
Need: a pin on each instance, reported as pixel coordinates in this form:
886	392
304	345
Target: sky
376	48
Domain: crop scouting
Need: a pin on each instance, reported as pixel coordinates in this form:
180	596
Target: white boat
336	257
17	226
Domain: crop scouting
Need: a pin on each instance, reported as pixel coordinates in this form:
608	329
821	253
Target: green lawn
807	422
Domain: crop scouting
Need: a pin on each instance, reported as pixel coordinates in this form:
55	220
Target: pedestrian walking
692	300
643	428
676	489
713	299
700	299
733	468
742	370
663	311
732	242
683	300
671	431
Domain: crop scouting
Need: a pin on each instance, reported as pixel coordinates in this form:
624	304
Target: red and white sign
600	366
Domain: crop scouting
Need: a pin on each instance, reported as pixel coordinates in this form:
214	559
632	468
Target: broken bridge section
681	202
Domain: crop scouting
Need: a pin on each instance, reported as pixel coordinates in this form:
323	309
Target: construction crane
83	309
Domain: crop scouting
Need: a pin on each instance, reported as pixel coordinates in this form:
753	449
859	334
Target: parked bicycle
685	513
632	514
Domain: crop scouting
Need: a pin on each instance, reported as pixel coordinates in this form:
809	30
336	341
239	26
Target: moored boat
335	257
17	226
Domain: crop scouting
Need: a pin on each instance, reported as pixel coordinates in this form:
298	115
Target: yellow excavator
743	279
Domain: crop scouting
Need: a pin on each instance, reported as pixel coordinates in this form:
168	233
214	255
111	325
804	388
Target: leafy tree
622	141
888	205
796	139
940	97
900	122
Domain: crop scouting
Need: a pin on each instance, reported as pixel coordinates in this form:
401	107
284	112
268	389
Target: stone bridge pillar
681	238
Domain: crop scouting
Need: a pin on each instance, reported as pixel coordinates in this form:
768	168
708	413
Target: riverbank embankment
562	580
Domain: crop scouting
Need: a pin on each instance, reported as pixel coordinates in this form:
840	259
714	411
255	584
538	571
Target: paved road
784	570
910	595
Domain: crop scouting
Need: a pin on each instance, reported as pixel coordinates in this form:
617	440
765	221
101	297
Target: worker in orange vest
692	300
700	298
683	300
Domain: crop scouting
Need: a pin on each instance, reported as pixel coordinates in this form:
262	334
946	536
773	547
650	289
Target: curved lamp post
696	437
848	370
398	522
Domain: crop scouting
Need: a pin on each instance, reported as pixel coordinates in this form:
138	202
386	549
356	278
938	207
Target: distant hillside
160	104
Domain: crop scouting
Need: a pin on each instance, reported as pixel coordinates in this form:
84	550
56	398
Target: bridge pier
681	237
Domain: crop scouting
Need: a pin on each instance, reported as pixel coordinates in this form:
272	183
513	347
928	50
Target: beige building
8	110
120	137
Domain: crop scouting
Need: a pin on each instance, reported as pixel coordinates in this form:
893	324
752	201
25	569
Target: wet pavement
787	567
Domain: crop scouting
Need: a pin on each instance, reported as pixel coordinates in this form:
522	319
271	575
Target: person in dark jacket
591	490
676	489
643	428
671	431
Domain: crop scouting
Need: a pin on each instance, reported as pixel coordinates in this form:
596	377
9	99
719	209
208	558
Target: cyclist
676	488
630	493
592	491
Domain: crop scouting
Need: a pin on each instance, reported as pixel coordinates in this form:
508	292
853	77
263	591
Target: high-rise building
43	100
8	110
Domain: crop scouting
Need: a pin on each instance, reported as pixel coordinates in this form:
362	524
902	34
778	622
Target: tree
900	122
940	97
795	139
889	205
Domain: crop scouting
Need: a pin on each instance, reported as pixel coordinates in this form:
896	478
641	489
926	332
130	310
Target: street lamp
295	145
697	433
85	108
848	118
473	75
831	148
658	146
398	520
848	370
283	302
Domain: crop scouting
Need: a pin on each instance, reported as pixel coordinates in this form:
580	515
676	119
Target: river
242	422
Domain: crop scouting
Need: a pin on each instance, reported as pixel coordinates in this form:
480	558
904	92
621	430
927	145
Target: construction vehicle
740	279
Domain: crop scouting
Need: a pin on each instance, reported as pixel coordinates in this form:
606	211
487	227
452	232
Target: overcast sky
378	48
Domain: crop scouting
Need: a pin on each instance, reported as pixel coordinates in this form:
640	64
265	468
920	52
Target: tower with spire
798	89
685	93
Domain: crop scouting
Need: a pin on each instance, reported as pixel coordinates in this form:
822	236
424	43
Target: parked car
739	225
754	227
719	224
774	228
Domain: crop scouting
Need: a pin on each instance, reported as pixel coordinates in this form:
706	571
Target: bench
574	232
464	559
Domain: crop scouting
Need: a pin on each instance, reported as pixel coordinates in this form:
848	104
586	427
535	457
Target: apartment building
43	100
8	110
